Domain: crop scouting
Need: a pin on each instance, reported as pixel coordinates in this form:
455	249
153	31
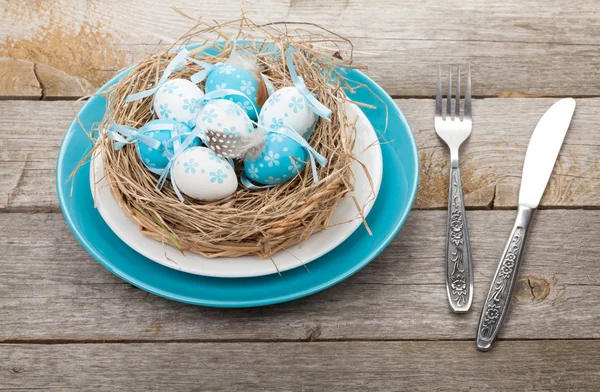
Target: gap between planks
57	210
424	97
50	342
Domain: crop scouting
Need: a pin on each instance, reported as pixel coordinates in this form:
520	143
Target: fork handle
500	293
459	268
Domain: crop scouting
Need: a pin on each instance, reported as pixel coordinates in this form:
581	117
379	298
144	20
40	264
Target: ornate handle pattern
459	269
500	293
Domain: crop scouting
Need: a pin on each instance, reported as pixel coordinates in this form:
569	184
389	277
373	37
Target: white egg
287	106
222	115
203	175
178	100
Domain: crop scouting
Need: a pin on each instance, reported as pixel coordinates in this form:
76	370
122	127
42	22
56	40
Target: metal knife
545	143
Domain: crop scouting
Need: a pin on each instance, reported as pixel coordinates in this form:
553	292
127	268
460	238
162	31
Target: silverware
545	143
454	131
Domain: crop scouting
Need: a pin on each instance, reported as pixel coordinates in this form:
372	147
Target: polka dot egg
161	130
224	116
178	100
235	78
203	175
281	159
287	106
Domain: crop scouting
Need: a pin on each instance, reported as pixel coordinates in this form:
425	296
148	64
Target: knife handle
459	268
500	293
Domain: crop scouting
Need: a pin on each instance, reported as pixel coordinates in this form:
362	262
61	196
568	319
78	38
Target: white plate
366	149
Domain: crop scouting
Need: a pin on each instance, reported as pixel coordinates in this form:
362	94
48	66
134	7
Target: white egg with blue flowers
178	100
287	106
203	175
224	116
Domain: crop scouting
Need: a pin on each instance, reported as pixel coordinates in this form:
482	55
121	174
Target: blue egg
281	159
161	130
235	78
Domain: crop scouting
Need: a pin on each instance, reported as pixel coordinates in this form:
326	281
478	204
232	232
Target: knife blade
545	143
541	155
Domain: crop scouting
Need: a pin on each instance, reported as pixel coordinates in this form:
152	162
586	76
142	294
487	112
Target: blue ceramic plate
396	196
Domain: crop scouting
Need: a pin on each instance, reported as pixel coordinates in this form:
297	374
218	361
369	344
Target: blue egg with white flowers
232	77
281	160
162	131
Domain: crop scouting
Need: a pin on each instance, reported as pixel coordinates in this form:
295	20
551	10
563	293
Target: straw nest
249	222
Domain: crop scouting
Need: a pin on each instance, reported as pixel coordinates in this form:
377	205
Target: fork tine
438	93
449	97
457	103
468	95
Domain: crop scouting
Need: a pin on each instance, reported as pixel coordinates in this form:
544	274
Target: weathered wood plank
514	47
491	160
326	366
18	80
30	137
51	289
59	84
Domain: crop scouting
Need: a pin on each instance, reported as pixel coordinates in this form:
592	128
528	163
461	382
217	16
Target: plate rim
240	303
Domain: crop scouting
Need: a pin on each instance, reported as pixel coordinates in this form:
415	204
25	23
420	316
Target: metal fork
454	131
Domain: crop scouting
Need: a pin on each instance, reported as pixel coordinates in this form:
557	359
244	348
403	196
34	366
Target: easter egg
235	78
163	131
203	175
177	100
224	116
281	159
287	106
310	129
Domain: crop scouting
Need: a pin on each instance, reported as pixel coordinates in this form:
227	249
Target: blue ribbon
250	185
177	130
178	62
165	125
317	107
208	69
132	135
312	153
124	134
168	171
314	156
268	84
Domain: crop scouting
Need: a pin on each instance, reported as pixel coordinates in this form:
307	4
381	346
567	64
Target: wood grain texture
30	137
330	366
59	84
491	160
18	80
53	290
68	323
515	48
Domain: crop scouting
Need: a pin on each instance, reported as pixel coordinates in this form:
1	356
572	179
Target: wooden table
67	323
